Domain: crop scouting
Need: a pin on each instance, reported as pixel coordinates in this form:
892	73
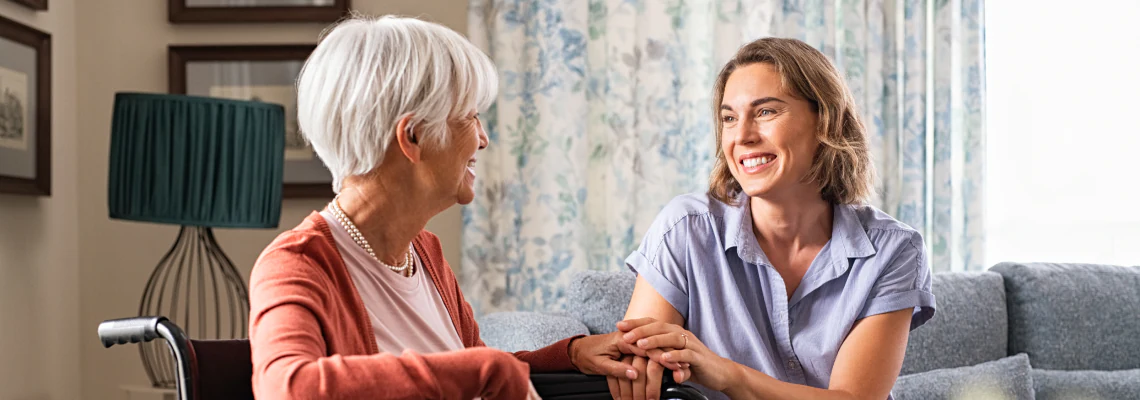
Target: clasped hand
657	345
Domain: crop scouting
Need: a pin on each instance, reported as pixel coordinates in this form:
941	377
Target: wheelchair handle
145	329
129	330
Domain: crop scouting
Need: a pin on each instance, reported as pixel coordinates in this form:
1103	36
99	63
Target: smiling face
453	164
768	135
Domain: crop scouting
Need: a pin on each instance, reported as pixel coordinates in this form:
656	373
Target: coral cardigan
311	337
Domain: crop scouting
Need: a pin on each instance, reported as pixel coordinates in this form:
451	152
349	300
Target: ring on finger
684	344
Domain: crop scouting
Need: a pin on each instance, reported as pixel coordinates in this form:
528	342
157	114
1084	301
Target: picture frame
216	11
255	72
25	109
38	5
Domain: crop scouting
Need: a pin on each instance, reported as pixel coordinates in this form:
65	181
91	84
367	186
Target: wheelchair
223	369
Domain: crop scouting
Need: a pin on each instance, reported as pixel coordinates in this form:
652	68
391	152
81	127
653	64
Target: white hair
368	73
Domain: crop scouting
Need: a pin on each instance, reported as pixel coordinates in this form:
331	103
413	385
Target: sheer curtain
604	115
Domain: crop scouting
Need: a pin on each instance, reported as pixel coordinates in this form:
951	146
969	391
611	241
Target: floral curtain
604	115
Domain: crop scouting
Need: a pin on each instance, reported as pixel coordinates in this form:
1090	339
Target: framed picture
25	109
40	5
225	11
261	73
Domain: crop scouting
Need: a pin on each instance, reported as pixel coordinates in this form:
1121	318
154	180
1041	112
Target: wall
39	245
122	46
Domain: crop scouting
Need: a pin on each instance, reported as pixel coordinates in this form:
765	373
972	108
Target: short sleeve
904	283
662	259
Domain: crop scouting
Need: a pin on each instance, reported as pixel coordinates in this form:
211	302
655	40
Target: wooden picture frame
25	109
38	5
255	72
181	12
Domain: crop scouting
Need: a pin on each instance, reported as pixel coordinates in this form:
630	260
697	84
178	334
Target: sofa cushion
522	330
970	327
599	299
1074	316
1057	385
1006	378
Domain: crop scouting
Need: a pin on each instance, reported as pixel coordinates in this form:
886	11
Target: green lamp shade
197	161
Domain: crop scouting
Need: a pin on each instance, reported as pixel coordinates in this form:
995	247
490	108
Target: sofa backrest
969	325
599	299
1074	316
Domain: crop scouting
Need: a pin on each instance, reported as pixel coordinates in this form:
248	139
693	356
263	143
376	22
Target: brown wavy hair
842	165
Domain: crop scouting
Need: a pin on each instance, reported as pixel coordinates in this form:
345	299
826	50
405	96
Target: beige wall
39	245
122	46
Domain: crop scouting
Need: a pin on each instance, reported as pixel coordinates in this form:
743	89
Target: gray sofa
1017	331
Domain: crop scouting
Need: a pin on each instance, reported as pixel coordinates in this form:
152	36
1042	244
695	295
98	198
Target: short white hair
368	73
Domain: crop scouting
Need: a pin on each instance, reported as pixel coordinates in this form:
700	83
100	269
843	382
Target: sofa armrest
522	330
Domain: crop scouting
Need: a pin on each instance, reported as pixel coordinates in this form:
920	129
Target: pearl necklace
408	268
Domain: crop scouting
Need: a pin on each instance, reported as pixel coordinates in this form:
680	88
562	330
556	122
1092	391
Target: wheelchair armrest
681	392
577	385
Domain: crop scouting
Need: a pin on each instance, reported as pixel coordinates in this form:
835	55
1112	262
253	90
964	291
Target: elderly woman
779	282
357	301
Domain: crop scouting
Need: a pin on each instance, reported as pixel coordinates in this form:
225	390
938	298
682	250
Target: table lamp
200	163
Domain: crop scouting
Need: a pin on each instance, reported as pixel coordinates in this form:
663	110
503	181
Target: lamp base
197	287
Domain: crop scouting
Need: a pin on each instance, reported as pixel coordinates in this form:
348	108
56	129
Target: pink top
407	313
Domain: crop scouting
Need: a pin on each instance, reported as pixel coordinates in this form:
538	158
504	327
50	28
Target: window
1063	131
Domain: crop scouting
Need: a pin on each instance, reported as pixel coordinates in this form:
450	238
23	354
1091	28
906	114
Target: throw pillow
1007	378
1058	385
524	330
